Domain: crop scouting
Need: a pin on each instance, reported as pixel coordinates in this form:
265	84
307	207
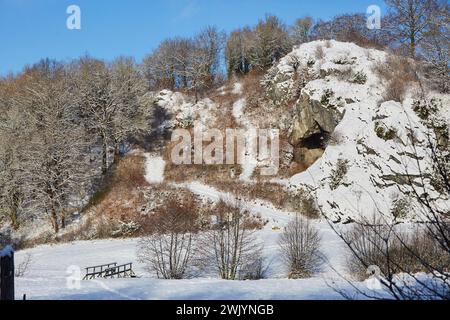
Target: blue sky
34	29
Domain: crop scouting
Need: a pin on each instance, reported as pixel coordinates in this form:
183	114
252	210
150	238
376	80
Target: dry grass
398	73
319	53
251	86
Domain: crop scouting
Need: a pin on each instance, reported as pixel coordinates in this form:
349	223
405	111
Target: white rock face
183	111
338	93
375	151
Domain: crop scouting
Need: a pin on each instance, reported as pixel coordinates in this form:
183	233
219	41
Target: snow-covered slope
375	145
54	271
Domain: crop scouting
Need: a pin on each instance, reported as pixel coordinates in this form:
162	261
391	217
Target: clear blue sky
35	29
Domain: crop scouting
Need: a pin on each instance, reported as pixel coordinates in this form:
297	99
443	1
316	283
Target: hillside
350	148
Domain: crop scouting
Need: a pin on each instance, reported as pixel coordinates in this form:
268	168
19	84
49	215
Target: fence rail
110	270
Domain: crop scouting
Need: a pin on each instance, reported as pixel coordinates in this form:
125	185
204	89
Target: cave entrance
315	141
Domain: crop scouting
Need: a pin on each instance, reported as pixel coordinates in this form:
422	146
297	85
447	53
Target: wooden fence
110	270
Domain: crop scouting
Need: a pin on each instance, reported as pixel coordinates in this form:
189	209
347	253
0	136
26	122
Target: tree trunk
104	155
116	152
412	45
54	219
63	220
14	219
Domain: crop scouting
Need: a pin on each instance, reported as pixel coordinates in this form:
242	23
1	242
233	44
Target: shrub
23	266
393	252
343	60
299	244
229	247
319	53
384	132
424	109
305	204
169	249
401	207
338	174
345	74
359	77
326	97
397	73
252	88
255	270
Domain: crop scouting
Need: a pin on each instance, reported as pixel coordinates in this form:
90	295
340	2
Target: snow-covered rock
183	111
380	145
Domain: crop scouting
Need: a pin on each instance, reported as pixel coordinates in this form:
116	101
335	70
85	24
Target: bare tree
270	43
55	164
169	250
237	52
410	21
230	246
109	99
166	67
210	41
300	244
349	28
436	49
300	31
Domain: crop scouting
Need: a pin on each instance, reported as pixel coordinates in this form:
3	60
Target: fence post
7	273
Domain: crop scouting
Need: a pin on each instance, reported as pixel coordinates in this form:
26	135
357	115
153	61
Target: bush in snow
169	250
359	77
300	244
397	73
384	132
394	251
303	203
230	247
255	269
23	266
338	174
326	97
401	207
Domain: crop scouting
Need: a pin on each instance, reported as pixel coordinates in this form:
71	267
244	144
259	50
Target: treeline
414	28
61	128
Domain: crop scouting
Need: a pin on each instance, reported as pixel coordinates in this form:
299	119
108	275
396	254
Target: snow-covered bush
338	173
359	78
255	270
384	132
401	207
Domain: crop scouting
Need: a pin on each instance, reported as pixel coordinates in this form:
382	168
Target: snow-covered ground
249	158
154	168
55	270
